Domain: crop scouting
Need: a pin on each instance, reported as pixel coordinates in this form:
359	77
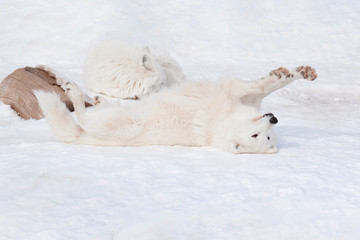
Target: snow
309	190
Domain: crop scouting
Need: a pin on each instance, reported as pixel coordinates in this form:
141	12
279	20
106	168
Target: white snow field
309	190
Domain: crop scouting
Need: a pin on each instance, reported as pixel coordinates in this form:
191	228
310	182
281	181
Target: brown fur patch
307	72
280	72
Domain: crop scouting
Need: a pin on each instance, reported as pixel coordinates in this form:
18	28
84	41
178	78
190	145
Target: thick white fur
121	70
63	125
224	115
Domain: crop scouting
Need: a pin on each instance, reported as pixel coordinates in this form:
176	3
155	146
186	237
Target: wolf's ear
145	59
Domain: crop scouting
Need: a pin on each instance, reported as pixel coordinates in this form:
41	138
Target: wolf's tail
58	117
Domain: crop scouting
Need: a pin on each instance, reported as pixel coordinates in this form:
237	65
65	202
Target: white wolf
121	70
224	115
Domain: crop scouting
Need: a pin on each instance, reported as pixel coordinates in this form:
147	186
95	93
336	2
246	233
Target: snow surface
309	190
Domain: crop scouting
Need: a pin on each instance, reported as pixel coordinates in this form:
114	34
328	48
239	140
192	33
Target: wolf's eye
268	138
255	135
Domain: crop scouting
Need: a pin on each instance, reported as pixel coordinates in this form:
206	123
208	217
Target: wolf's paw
98	100
307	72
281	72
71	89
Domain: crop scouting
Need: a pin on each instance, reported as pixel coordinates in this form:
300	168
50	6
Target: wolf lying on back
224	115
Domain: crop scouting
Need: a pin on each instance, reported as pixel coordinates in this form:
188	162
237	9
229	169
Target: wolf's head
153	76
247	132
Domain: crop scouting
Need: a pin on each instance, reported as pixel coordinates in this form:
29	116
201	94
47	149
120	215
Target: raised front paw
307	72
281	72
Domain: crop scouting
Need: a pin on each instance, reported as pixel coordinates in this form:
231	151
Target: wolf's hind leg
77	97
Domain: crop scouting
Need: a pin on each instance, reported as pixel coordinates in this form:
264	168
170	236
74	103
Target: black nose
273	120
268	115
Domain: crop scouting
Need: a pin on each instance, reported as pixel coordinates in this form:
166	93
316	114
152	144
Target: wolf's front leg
281	77
276	79
77	97
252	92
